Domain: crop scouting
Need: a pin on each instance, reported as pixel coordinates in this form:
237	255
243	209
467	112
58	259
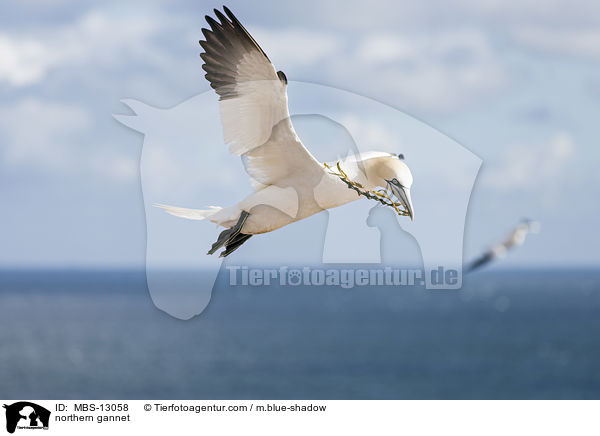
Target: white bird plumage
289	183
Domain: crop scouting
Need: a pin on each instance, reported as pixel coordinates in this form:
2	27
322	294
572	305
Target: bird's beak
403	194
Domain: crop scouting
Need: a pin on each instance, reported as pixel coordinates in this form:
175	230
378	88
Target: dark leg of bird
229	234
234	244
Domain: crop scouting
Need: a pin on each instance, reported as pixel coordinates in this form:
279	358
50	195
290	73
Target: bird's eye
397	183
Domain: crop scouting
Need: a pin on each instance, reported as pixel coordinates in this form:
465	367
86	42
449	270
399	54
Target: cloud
39	132
96	38
23	61
408	15
436	71
532	167
297	46
429	71
583	43
54	137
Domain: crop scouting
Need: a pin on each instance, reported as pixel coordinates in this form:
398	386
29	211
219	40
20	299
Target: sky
517	83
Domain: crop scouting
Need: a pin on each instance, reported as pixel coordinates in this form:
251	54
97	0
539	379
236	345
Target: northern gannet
289	183
515	238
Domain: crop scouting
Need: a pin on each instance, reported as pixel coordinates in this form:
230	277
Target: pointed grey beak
403	194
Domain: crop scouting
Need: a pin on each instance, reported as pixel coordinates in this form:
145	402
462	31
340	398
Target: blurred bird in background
514	239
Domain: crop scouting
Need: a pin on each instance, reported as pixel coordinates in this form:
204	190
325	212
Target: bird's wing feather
253	102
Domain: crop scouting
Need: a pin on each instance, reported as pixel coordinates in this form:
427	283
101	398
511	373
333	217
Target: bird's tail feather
191	214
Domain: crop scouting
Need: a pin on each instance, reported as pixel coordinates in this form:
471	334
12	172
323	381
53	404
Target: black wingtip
214	24
224	44
400	156
205	32
232	17
221	17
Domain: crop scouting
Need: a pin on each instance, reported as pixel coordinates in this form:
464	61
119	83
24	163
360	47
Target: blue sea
505	335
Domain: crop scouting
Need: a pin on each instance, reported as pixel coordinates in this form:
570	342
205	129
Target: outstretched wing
253	102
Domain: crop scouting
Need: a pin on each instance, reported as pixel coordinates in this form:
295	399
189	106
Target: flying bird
289	183
515	238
